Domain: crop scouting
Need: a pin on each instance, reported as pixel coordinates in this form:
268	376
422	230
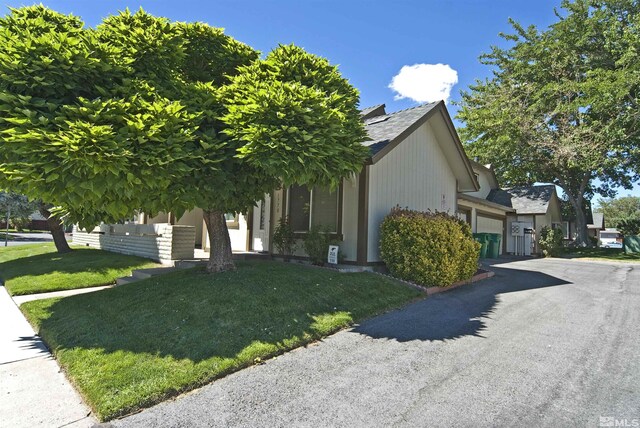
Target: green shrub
316	244
550	241
433	249
284	238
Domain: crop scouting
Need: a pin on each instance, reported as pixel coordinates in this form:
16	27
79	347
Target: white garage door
489	225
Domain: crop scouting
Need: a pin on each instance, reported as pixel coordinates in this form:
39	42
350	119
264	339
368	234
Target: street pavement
545	343
25	238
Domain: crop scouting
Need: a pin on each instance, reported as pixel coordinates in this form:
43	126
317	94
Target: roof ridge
411	108
373	106
530	185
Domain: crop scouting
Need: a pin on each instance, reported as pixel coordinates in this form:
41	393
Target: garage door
490	225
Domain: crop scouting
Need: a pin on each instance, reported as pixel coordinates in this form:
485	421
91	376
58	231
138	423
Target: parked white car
612	245
609	239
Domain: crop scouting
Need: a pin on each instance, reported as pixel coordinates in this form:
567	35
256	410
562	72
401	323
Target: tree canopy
15	206
142	113
619	209
562	104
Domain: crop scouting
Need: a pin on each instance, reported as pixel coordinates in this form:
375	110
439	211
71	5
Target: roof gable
598	221
486	170
388	130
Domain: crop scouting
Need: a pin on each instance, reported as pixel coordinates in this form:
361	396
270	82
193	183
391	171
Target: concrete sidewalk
19	300
33	390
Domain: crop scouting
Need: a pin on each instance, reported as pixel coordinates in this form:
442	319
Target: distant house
416	161
535	207
596	226
494	210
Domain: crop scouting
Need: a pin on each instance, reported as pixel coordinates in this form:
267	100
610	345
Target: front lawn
131	346
38	268
614	254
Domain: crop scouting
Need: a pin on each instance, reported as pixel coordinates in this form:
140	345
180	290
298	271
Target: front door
260	225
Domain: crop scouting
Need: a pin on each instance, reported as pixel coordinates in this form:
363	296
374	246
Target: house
416	161
482	214
534	208
597	226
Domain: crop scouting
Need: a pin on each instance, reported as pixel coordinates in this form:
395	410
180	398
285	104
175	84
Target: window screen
325	209
299	208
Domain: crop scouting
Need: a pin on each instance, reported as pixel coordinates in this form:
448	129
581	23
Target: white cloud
424	82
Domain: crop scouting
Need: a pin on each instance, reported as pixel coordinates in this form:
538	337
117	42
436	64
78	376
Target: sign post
332	257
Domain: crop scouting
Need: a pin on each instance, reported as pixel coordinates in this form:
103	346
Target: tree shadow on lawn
456	313
196	316
80	260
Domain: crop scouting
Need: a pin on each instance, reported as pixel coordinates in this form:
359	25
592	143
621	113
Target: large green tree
145	114
619	209
562	104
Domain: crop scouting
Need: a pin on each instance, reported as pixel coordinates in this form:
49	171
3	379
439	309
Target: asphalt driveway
543	343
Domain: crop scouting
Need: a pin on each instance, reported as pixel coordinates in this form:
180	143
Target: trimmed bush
316	244
433	249
551	241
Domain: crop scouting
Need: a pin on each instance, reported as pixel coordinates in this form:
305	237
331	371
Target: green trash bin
493	247
632	244
483	239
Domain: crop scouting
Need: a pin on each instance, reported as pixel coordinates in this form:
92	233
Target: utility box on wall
522	237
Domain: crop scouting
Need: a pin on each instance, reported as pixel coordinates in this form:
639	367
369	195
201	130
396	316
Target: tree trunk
220	244
582	235
55	226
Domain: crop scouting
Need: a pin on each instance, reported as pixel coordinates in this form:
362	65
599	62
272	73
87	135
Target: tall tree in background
14	206
145	114
562	105
619	209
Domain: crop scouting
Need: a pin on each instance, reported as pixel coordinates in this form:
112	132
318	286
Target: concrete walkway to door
33	390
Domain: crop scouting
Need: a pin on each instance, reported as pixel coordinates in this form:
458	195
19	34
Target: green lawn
131	346
38	268
614	254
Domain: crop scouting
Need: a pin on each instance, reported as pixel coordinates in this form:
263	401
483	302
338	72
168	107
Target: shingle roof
384	128
598	221
524	199
372	111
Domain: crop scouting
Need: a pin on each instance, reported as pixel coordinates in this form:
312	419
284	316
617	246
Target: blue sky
370	40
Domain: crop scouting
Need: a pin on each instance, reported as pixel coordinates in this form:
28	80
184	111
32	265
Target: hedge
432	249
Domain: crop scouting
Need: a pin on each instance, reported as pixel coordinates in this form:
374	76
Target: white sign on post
332	257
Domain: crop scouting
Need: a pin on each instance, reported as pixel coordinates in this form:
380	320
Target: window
564	227
608	235
262	213
315	207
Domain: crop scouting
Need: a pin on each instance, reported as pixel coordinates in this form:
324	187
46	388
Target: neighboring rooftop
598	221
524	199
384	128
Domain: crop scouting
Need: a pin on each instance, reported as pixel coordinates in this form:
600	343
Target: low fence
162	241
